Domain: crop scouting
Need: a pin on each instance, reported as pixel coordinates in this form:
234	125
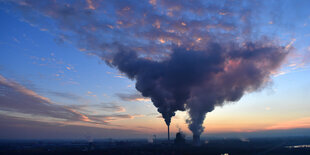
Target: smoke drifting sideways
198	81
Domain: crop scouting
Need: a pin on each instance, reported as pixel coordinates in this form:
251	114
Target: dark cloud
156	26
13	127
20	100
16	98
200	80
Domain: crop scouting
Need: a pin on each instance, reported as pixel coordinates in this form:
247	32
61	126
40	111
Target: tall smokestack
196	139
168	134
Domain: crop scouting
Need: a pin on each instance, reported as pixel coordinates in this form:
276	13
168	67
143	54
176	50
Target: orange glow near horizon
298	123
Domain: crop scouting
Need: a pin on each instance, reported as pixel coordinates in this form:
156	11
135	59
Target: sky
58	78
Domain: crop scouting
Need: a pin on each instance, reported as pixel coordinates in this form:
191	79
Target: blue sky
41	56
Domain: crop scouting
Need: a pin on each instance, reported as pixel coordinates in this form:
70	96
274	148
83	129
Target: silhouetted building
179	138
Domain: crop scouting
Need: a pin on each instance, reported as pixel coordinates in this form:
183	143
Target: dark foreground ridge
274	146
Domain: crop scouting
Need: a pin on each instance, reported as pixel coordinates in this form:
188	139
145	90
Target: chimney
168	134
196	139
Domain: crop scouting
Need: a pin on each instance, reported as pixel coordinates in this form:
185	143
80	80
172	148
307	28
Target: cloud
65	95
114	117
89	93
115	108
16	98
120	76
90	4
306	56
289	45
279	73
93	108
132	97
117	75
151	28
19	128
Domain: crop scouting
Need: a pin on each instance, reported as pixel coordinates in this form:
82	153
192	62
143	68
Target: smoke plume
197	81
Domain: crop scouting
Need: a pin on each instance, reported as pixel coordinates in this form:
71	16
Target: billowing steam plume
200	80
